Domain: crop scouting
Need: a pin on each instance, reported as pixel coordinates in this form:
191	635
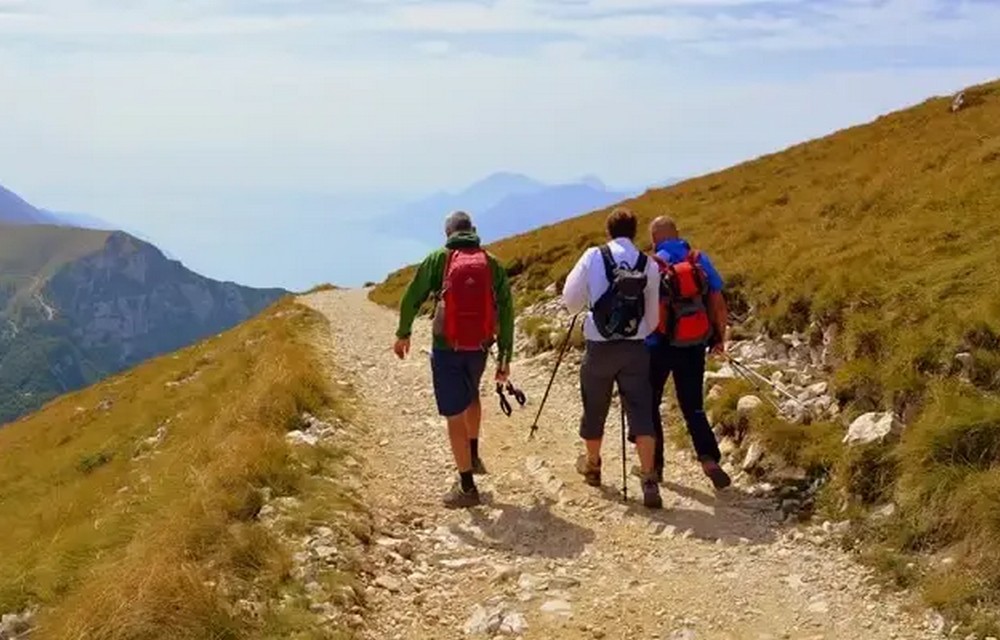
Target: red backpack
468	318
683	312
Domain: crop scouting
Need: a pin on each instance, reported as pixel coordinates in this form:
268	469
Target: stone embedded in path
563	582
817	390
754	455
301	437
484	621
459	563
725	372
489	621
747	405
513	624
388	583
324	552
13	625
872	427
505	573
557	608
819	606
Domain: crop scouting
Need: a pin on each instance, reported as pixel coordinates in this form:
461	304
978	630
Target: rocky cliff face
105	312
130	299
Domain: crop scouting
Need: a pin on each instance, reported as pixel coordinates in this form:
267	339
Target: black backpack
619	311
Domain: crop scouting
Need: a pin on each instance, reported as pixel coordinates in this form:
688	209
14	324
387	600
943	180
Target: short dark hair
622	223
458	221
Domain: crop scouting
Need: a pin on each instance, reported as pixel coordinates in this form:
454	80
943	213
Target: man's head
622	223
663	228
457	222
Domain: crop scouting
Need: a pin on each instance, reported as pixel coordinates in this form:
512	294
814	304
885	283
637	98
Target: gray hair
458	221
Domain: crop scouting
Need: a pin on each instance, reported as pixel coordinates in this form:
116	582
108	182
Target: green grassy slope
117	536
891	231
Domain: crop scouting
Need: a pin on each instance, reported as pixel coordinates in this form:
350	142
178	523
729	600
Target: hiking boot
591	472
637	472
720	479
651	498
478	468
458	498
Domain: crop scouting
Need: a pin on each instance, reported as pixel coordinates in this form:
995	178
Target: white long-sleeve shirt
588	281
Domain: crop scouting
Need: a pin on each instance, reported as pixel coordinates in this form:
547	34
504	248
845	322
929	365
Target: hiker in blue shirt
703	318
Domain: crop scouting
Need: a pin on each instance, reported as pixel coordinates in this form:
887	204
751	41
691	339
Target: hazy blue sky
246	135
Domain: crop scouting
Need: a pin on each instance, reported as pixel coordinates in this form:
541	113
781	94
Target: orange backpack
684	316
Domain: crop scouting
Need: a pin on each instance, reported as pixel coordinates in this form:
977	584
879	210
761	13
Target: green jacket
430	278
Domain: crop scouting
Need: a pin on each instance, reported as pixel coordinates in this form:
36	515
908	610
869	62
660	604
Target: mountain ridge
503	204
77	305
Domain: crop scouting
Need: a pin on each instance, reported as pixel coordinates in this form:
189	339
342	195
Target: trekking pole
555	369
748	372
624	476
742	372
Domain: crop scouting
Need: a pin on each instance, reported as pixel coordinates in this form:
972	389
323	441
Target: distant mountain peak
593	182
506	203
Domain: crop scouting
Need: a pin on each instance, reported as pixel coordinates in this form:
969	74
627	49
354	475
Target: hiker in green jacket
473	309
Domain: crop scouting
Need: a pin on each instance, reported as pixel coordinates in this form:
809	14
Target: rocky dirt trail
549	557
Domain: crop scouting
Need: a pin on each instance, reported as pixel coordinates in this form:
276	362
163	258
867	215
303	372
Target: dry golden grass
120	539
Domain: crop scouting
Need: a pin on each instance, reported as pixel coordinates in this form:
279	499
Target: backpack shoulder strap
609	262
640	264
448	253
694	257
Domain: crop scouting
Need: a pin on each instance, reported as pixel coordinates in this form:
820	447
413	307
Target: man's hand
503	372
401	348
718	349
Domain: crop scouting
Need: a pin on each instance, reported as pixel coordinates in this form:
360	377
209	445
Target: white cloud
158	113
715	25
434	47
332	96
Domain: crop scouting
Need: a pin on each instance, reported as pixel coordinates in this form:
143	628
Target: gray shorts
625	362
456	377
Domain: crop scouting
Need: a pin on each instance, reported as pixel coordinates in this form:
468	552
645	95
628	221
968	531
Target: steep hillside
167	502
889	230
882	239
77	305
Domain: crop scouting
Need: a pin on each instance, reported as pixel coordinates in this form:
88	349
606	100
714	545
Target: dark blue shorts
456	379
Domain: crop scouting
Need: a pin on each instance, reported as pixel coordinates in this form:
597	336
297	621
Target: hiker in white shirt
619	318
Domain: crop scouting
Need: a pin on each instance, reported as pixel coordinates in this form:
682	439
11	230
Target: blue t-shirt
676	250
